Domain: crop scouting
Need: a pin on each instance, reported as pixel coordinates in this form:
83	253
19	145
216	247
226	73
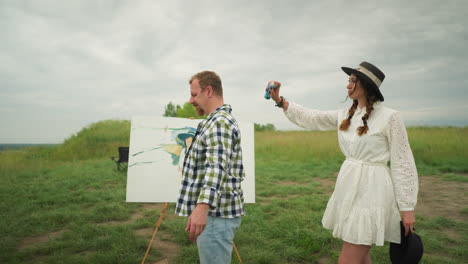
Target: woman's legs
367	259
354	254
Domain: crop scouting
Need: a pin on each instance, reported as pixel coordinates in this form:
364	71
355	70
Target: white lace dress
364	207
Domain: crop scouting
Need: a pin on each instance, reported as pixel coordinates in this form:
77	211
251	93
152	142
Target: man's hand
197	221
407	217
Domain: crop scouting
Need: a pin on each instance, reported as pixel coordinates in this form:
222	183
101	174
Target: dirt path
442	198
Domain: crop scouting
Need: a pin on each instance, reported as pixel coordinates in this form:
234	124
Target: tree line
187	110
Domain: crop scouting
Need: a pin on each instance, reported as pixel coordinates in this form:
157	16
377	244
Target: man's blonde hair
209	78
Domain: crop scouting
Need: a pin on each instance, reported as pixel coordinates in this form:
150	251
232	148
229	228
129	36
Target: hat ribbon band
370	75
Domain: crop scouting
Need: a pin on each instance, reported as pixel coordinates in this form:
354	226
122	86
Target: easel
158	223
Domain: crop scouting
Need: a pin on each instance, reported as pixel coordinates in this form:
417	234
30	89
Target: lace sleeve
403	168
312	119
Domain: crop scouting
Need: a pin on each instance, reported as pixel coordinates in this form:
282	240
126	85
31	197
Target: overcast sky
67	64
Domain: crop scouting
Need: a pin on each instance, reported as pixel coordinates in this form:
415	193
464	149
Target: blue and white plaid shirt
213	170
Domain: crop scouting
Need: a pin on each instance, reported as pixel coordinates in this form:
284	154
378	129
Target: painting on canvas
156	155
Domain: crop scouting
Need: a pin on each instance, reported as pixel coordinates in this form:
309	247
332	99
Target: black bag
410	251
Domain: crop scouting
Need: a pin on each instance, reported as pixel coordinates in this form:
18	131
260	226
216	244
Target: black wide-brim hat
369	74
409	251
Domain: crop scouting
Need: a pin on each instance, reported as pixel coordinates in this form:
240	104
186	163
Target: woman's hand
274	93
408	219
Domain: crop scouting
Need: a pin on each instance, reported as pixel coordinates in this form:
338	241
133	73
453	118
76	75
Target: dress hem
362	243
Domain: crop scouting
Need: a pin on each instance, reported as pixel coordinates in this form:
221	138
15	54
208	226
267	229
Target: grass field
66	203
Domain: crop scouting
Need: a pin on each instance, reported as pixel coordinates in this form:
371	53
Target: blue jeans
216	241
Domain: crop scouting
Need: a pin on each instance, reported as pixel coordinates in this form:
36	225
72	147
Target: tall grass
297	145
439	150
98	140
436	149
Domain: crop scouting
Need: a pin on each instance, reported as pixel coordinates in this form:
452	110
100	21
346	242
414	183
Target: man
211	193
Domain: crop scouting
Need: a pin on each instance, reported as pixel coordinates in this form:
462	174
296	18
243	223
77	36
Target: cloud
85	61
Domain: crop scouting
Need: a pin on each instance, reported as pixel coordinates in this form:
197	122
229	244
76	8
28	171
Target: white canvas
156	155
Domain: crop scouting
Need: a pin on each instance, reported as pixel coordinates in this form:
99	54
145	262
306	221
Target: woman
370	198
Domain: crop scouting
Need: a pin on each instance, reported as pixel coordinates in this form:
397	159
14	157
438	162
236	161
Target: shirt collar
364	109
224	107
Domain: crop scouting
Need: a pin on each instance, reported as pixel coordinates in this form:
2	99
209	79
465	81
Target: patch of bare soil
288	183
162	261
442	198
135	216
31	241
269	199
161	244
328	184
153	206
324	260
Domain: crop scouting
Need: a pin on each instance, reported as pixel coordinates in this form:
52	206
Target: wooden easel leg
237	252
155	231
